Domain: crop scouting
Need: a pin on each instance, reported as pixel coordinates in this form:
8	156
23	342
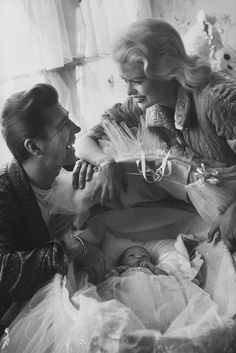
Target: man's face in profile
57	147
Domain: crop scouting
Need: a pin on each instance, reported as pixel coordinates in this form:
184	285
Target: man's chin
69	163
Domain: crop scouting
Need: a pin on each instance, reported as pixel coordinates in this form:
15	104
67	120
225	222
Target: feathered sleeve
128	112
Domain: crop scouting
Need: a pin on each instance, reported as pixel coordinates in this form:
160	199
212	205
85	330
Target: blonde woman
191	105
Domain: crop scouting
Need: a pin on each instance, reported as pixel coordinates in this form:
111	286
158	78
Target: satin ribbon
150	175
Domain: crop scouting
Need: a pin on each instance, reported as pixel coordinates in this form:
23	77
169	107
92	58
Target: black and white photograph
118	176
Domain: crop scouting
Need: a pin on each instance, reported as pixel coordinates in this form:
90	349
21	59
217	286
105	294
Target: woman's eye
132	81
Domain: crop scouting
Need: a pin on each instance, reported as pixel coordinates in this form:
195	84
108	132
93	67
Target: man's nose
75	128
131	89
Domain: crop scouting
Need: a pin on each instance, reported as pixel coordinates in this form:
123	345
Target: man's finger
100	269
82	175
90	171
76	172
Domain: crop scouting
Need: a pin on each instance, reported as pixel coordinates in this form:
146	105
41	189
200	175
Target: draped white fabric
99	85
33	37
103	18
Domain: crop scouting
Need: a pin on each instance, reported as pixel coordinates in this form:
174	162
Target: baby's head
133	256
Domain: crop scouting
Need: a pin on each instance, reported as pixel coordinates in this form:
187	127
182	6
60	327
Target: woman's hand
111	180
225	228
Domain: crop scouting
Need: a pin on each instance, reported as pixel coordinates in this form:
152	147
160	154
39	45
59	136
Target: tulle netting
213	189
143	153
123	314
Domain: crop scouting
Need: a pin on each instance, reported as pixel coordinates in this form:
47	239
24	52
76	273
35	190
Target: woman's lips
139	99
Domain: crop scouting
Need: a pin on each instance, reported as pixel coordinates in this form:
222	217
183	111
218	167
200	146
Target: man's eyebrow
63	122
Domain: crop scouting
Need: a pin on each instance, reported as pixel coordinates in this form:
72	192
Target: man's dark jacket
28	258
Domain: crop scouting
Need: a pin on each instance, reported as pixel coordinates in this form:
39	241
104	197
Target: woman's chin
144	105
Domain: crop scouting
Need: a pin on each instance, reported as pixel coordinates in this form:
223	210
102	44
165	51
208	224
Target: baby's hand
148	265
154	269
116	271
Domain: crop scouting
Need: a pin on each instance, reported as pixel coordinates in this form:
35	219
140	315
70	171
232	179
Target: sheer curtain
33	37
98	82
65	43
36	42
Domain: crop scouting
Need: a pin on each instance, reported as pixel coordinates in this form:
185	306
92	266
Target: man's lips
70	146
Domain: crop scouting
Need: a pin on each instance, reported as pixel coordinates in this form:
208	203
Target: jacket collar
29	206
182	109
159	115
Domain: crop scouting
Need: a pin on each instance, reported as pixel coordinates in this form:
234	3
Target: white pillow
160	250
171	255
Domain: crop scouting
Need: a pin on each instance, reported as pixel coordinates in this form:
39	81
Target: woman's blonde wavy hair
159	47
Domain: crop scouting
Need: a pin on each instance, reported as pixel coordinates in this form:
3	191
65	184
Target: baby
138	256
134	256
155	297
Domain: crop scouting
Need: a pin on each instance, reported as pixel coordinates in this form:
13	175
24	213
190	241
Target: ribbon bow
209	176
150	175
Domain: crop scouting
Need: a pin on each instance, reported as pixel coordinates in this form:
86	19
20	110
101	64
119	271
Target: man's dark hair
23	117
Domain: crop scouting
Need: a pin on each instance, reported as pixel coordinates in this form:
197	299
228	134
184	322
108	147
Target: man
40	135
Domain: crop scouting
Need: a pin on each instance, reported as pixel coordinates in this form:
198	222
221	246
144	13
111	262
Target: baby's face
135	255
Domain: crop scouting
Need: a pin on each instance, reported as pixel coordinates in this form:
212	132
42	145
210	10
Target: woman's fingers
95	192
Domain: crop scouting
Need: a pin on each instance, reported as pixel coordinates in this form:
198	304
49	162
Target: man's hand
84	253
82	172
94	262
225	228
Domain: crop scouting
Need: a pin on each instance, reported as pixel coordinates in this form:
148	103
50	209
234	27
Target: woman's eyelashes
137	82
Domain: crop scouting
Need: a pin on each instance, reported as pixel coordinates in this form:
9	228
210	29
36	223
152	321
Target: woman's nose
131	89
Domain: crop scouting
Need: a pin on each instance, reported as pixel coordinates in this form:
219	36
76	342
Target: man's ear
32	147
